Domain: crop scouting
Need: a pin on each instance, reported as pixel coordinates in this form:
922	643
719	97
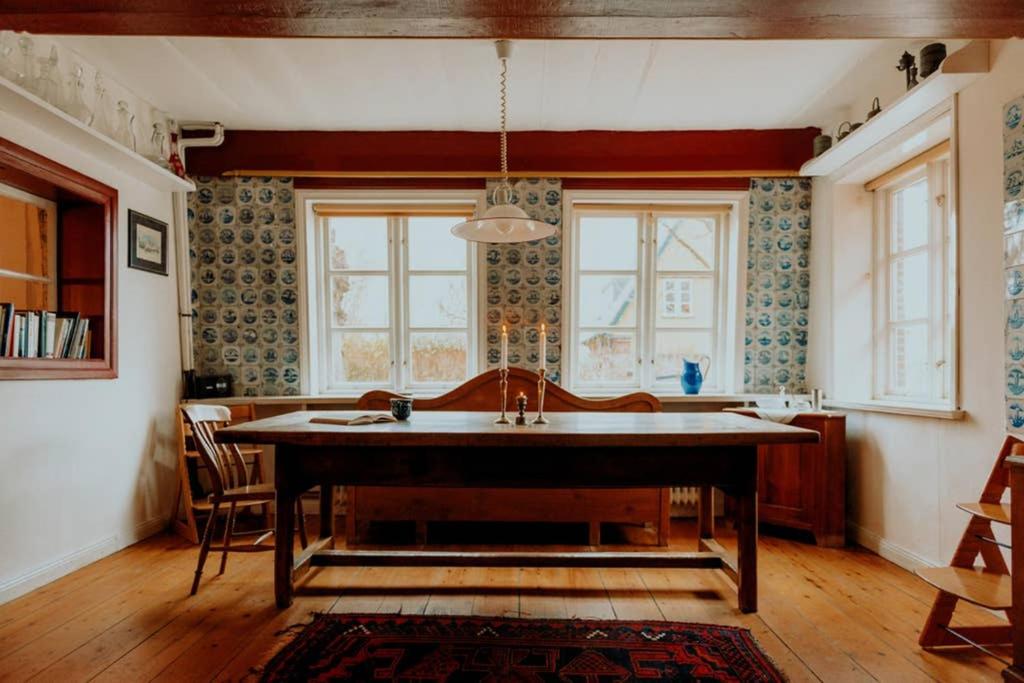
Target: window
677	301
649	287
913	287
397	303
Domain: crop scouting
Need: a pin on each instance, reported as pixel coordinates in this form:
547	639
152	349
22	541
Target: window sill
893	408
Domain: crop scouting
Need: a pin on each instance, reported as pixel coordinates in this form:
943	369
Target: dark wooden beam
525	19
592	155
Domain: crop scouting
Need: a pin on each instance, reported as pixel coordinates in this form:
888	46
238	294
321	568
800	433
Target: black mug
401	407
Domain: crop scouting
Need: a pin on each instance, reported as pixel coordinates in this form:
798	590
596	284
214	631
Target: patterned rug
345	647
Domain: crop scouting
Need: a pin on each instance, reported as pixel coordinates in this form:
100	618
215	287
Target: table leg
746	551
284	550
706	513
327	513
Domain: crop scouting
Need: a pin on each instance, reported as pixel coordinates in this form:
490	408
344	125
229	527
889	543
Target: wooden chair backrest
223	461
481	394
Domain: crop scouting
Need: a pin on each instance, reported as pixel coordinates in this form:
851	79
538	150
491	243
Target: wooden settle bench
590	506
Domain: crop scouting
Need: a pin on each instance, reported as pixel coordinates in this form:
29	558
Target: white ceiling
336	84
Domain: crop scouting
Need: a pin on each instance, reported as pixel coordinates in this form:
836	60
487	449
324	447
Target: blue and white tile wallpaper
524	283
1013	260
778	285
244	259
245	283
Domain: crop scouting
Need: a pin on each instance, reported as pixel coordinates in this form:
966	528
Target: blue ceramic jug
694	374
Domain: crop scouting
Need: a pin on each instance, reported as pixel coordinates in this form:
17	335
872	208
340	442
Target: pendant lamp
503	222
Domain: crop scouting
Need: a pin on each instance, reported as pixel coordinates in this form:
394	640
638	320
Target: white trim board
898	555
62	566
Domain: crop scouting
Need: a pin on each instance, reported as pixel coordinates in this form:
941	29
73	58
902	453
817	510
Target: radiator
685	495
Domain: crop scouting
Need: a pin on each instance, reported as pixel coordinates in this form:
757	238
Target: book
367	419
70	321
18	336
6	328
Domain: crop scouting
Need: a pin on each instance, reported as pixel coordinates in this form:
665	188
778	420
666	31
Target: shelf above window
25	105
959	70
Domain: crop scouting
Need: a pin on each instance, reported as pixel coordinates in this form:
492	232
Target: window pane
432	246
671	347
685	302
608	242
910	217
686	243
439	356
908	369
607	357
360	357
607	301
909	282
359	300
358	243
437	301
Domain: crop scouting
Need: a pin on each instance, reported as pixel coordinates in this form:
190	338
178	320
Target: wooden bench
590	506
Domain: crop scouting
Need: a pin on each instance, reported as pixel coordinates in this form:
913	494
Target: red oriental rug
345	647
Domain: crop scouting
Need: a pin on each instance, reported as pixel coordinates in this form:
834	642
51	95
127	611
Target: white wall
906	474
88	466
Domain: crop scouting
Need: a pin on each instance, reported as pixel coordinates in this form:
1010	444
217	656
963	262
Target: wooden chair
193	508
233	484
590	506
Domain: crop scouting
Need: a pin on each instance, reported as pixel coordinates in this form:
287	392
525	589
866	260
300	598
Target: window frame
942	286
729	282
315	304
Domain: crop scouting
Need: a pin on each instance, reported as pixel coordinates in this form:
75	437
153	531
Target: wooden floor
829	615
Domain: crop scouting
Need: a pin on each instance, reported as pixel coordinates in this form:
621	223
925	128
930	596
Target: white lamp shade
501	224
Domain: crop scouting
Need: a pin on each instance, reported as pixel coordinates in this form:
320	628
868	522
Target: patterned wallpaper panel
1013	260
524	283
245	283
778	285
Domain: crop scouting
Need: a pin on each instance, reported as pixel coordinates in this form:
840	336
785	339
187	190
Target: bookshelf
69	263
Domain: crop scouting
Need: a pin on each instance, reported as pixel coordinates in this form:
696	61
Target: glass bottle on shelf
158	144
25	76
125	132
100	118
76	105
8	69
48	81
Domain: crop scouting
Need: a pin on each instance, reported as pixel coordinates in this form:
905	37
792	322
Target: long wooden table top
477	429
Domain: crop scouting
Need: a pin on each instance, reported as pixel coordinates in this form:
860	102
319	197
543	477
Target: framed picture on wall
147	243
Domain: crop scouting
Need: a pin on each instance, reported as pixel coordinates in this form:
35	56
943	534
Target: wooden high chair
988	585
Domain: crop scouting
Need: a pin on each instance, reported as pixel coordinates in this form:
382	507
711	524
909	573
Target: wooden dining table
466	449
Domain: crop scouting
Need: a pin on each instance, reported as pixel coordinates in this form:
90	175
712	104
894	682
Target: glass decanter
76	105
100	119
158	143
48	81
125	132
25	76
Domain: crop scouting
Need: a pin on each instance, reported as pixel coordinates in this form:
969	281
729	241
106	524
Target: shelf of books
57	270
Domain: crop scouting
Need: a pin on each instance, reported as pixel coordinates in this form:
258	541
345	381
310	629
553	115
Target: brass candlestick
503	391
541	386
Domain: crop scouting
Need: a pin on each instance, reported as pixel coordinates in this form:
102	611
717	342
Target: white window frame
726	376
315	299
941	318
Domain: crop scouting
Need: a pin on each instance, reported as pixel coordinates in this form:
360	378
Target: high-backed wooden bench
590	506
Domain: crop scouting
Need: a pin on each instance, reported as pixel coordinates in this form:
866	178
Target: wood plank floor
825	614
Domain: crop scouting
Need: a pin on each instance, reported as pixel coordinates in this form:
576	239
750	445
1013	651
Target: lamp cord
504	119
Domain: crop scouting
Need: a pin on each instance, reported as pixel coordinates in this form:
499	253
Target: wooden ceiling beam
522	19
588	154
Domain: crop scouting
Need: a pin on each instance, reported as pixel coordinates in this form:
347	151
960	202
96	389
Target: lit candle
504	348
543	347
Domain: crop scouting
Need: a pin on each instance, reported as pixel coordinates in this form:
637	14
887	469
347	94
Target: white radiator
685	495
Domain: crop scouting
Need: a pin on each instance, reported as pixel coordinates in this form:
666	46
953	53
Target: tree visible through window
397	298
646	294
